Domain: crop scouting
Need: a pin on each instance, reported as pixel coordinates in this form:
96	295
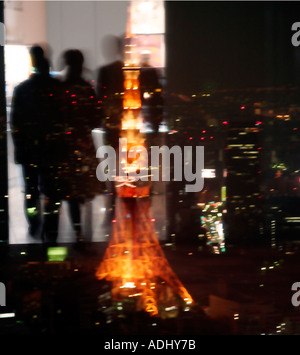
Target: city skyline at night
134	252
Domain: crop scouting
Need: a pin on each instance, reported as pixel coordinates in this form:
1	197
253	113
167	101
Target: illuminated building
195	120
243	181
212	222
134	261
281	175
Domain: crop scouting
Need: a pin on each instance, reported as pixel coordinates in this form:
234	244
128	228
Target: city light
128	285
208	173
57	253
7	315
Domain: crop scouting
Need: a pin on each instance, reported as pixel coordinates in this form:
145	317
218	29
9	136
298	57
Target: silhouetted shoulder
37	81
23	86
110	78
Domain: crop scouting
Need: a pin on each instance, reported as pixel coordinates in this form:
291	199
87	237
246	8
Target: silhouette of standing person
110	86
81	115
151	93
38	135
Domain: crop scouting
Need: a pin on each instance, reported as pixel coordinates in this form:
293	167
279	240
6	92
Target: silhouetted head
74	61
38	60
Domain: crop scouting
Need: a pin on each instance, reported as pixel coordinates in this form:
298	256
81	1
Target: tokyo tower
134	261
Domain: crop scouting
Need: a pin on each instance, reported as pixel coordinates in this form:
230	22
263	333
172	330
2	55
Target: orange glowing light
134	259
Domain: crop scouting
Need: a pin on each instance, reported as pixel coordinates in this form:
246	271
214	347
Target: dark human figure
151	93
38	135
81	115
110	85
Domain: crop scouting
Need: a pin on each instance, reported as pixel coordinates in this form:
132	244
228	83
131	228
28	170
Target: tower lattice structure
134	260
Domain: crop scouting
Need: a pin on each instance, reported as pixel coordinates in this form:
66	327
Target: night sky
227	45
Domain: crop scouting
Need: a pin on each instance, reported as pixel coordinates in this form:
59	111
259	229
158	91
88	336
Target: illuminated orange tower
134	261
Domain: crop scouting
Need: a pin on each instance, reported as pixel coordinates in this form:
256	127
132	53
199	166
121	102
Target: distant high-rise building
243	181
281	175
